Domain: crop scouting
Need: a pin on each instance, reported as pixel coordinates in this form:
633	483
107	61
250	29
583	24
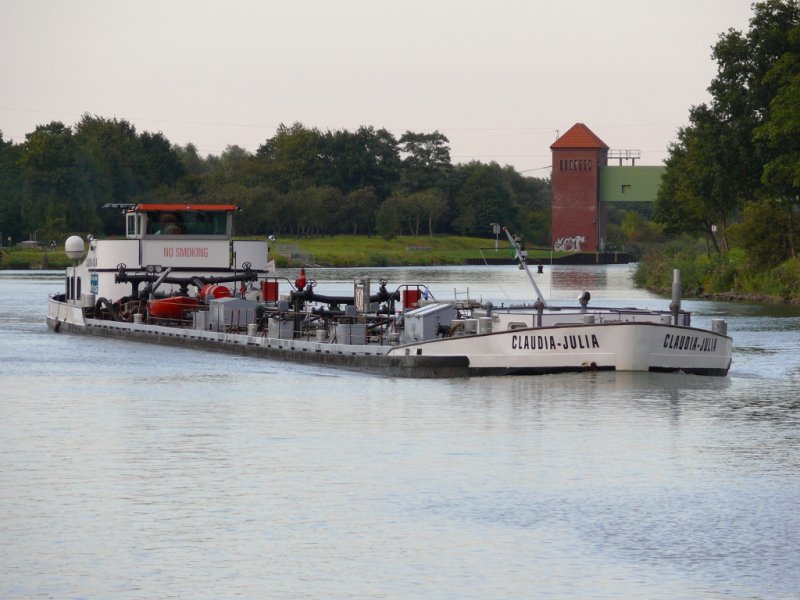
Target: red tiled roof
579	136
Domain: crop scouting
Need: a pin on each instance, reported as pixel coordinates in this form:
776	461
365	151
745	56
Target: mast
524	264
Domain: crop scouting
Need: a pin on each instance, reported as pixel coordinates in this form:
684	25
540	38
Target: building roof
579	136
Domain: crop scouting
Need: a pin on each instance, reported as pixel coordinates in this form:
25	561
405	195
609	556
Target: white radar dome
74	247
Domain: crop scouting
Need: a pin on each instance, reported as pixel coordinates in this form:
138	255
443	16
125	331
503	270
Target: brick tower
578	221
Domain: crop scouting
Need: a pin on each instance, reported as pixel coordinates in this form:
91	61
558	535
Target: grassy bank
12	258
360	251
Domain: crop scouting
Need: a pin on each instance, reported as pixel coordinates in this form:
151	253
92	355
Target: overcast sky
499	77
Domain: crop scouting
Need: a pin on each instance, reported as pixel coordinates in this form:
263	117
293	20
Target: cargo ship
178	277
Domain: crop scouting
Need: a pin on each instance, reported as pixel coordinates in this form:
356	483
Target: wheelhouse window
192	222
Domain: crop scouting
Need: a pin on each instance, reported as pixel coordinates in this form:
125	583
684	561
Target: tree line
300	182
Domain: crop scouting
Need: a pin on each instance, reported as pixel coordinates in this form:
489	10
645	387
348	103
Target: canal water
137	471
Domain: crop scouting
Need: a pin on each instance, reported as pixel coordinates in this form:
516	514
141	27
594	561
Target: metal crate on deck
227	314
422	323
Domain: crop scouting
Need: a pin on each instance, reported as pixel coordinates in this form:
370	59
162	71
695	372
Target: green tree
236	164
325	213
56	182
112	163
780	137
531	201
433	206
698	194
162	165
481	196
409	210
388	218
116	158
358	211
415	209
722	160
426	162
262	214
190	159
366	158
293	159
11	191
758	232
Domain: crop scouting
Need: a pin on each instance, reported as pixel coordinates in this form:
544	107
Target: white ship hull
620	346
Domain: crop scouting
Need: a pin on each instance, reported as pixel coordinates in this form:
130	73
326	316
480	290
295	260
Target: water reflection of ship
579	279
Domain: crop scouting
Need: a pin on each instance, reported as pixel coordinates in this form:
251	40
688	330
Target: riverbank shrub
654	270
731	274
779	283
718	272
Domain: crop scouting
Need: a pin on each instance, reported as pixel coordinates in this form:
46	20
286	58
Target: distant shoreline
37	260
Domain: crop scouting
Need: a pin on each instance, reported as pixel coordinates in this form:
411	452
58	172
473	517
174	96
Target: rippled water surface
139	471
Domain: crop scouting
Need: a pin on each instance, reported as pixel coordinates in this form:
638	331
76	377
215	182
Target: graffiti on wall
570	244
